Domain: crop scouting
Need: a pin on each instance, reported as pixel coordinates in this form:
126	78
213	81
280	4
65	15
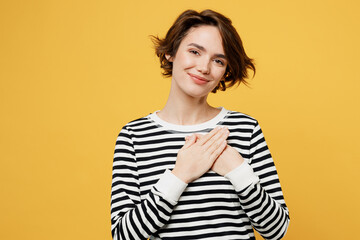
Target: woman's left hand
228	160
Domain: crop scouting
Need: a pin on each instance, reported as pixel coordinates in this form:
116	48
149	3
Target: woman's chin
196	93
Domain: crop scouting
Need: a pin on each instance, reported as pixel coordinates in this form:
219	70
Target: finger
217	150
208	136
216	140
189	140
198	136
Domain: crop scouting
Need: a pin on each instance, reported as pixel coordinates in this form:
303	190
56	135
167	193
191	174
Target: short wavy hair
238	62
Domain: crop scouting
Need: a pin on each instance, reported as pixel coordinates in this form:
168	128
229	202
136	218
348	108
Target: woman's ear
168	57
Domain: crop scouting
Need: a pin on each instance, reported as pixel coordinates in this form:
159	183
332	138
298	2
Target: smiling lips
197	79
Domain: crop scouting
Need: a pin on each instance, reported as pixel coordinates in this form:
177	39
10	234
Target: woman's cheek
188	62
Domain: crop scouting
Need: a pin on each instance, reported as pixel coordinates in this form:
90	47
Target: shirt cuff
170	186
242	176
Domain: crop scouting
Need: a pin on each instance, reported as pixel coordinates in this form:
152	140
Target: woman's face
200	62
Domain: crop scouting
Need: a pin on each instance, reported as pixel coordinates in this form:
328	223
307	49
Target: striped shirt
148	201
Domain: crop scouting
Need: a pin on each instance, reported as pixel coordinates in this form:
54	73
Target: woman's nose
203	66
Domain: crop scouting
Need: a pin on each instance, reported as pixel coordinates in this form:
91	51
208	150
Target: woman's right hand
196	157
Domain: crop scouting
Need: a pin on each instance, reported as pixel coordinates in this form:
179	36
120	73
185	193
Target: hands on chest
204	152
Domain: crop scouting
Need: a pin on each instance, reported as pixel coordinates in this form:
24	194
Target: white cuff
242	176
170	186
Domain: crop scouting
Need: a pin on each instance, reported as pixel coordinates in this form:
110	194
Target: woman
193	171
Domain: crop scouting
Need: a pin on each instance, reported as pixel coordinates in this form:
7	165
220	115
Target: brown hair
238	61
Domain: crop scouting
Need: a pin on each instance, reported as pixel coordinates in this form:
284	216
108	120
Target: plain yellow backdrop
72	73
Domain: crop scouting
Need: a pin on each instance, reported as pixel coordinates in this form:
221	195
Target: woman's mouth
198	80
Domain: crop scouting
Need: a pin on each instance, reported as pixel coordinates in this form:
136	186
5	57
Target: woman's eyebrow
219	55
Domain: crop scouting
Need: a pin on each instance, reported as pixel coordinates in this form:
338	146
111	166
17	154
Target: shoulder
138	124
126	133
235	117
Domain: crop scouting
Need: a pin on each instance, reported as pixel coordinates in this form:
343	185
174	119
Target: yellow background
72	73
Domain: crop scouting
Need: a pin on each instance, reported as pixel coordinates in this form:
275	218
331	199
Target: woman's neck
186	110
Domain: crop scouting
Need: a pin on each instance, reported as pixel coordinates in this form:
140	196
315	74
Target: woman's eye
219	62
194	52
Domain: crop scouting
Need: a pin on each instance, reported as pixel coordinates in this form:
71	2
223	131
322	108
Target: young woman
193	171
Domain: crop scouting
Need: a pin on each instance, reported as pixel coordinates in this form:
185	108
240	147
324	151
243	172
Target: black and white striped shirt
148	201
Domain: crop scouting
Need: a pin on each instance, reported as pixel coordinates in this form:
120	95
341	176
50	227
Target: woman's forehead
206	36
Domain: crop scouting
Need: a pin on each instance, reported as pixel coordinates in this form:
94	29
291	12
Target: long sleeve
132	217
258	187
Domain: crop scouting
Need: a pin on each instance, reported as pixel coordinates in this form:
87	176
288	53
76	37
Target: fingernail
189	136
